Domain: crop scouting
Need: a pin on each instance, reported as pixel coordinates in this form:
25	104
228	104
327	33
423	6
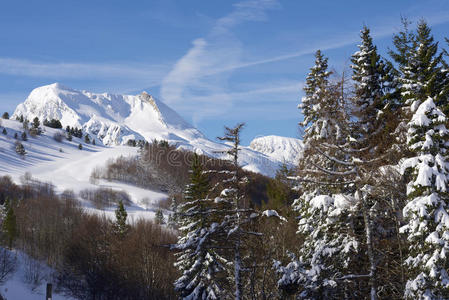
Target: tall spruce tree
422	75
9	224
427	209
324	207
200	264
375	94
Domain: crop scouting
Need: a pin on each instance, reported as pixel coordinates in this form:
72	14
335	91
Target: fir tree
4	131
5	115
9	224
87	139
69	137
199	263
427	209
159	217
422	76
24	136
36	123
80	147
120	226
20	149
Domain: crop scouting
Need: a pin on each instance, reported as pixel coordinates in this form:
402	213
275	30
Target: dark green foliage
4	131
20	149
120	226
20	119
80	147
9	225
24	136
280	190
16	136
74	131
159	217
69	136
36	122
131	143
87	139
5	115
53	123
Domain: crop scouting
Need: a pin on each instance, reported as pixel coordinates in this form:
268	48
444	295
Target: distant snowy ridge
283	149
114	119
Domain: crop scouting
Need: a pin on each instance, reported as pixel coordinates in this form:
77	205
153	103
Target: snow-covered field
68	168
18	287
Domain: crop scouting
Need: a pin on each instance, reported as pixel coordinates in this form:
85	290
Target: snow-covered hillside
114	119
67	167
278	147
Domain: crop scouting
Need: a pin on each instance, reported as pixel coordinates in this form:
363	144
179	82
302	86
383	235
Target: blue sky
215	62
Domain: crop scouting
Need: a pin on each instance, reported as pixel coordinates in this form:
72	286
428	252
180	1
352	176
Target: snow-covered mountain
278	147
114	119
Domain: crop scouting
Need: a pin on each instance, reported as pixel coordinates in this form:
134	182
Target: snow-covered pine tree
199	262
238	217
326	178
426	213
423	76
375	98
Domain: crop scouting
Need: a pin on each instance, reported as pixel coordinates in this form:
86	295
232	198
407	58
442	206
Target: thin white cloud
130	75
189	80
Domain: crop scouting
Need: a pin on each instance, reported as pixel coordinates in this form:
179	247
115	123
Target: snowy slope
67	167
113	119
280	148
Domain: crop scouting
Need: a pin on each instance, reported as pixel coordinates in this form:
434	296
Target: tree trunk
369	243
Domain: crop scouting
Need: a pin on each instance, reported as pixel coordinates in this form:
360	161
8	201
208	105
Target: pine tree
5	115
36	123
159	217
422	76
20	149
120	227
69	137
427	209
16	135
24	136
87	139
374	95
80	147
199	263
9	224
325	175
4	131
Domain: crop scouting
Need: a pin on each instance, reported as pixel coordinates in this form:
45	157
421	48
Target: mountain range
114	119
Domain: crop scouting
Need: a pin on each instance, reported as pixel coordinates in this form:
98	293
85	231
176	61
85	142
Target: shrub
103	197
5	115
4	131
80	147
58	136
20	149
24	136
